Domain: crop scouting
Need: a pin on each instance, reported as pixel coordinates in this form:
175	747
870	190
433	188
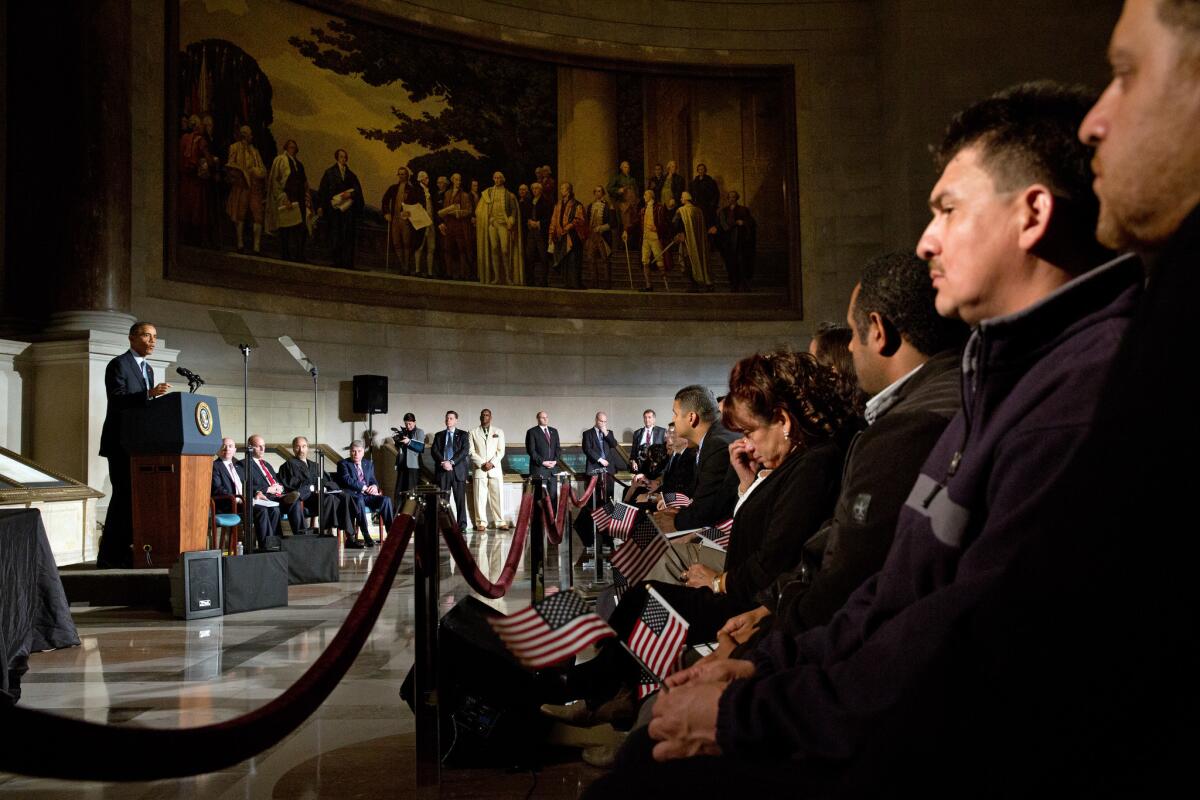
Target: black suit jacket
297	476
462	453
258	483
540	450
715	492
125	389
591	449
679	475
223	484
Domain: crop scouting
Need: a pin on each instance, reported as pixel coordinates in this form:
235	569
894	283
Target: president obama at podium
128	383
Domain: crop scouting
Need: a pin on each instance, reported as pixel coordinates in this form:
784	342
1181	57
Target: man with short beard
1130	665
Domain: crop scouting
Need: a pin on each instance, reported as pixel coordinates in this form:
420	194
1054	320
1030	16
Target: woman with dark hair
795	423
830	345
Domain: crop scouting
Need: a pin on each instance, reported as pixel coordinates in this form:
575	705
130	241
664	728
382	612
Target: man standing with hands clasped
545	451
128	383
451	453
487	449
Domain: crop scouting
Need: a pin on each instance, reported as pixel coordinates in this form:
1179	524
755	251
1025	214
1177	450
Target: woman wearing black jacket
795	422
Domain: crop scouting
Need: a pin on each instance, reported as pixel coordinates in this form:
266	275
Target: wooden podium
172	443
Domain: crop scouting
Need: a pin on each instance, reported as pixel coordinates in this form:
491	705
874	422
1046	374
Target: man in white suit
487	449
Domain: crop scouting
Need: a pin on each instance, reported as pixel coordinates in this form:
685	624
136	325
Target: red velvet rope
470	568
587	495
555	528
156	753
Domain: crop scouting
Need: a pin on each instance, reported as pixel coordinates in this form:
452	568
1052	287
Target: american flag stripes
676	500
657	638
640	551
719	535
623	517
602	516
552	630
620	585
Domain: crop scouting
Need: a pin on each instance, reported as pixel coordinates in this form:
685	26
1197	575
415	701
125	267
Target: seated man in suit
359	487
265	485
677	472
227	475
715	492
599	446
299	475
452	454
545	451
643	437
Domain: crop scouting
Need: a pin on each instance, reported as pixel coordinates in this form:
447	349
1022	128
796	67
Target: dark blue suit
352	488
266	519
596	447
126	388
454	480
293	511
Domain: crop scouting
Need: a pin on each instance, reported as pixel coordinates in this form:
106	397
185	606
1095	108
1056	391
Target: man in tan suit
487	449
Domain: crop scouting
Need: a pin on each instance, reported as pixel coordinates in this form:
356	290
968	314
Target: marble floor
141	667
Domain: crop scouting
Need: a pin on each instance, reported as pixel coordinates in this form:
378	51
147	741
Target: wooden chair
223	522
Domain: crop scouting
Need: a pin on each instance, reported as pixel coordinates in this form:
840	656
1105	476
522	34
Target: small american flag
657	638
620	585
640	552
554	629
676	500
623	517
602	516
647	684
719	535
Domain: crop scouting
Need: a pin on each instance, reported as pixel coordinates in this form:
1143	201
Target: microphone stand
307	363
247	515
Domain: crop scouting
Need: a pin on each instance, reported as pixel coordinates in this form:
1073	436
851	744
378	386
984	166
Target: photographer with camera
410	443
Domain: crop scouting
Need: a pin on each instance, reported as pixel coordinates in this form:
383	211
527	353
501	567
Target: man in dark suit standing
715	493
128	383
641	439
410	443
228	475
357	479
452	454
341	205
598	446
545	451
299	475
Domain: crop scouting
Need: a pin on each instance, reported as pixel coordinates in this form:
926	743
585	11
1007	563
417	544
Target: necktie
547	432
449	444
600	439
266	473
358	471
237	482
145	374
646	441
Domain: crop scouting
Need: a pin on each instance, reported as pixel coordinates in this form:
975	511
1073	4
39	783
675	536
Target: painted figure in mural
706	196
655	182
428	248
403	237
458	209
568	231
654	228
736	236
692	236
341	206
498	235
474	194
288	203
627	214
536	211
247	178
620	182
602	219
440	268
197	168
671	189
546	178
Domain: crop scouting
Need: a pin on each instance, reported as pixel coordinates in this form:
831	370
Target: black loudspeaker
370	394
258	580
488	701
197	585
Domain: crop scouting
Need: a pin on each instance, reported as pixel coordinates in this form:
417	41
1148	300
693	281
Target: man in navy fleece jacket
908	681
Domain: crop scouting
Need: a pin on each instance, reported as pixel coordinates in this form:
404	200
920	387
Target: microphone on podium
194	380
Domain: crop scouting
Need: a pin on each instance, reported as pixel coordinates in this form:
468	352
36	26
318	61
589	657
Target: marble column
587	128
10	395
